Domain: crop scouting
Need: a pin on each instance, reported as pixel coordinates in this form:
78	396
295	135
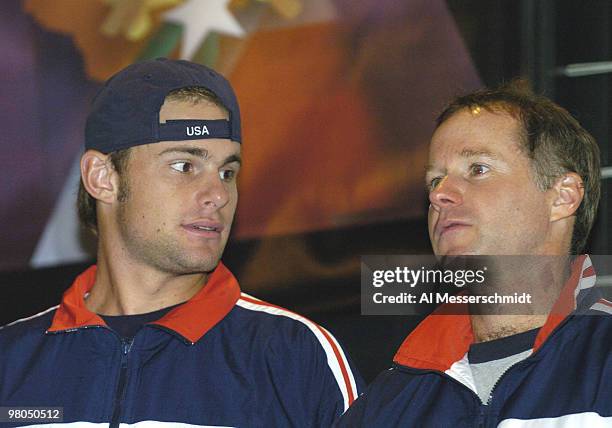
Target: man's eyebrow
232	158
471	153
428	168
466	153
195	151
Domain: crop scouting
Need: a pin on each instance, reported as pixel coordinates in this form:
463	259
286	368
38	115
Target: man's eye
183	167
434	182
478	169
227	174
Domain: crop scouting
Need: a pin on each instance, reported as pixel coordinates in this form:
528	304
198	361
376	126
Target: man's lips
204	228
449	226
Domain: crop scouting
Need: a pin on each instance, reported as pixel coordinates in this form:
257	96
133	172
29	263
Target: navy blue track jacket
221	359
566	382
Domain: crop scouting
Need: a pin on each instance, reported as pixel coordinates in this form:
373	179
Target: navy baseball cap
125	112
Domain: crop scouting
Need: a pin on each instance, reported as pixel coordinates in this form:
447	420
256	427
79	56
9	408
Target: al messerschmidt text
438	298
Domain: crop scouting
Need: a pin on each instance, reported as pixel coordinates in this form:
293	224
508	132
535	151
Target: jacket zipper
482	414
126	345
483	406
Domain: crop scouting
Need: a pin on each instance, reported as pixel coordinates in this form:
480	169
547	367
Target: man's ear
568	194
99	177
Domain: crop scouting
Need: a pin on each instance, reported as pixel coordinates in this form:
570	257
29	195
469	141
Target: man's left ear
568	194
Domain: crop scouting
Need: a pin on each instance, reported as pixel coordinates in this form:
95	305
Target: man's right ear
99	177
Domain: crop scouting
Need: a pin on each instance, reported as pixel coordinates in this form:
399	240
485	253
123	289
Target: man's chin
457	251
208	251
197	263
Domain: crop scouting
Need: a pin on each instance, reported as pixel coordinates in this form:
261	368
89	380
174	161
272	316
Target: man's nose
446	194
212	192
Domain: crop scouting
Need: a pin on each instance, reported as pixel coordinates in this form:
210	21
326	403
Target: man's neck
491	327
542	277
127	288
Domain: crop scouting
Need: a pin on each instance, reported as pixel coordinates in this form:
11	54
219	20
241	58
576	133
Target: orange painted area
312	150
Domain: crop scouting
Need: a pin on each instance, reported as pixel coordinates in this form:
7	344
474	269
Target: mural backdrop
338	100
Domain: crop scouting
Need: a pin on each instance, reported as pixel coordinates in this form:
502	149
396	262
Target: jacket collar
441	339
191	320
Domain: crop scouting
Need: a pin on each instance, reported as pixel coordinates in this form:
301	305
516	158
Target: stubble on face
160	251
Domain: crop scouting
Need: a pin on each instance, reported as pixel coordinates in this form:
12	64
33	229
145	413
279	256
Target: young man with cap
510	175
159	333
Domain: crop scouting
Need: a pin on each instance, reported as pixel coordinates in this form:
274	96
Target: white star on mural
198	18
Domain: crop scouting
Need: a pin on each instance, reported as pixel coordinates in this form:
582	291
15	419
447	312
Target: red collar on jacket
440	340
191	320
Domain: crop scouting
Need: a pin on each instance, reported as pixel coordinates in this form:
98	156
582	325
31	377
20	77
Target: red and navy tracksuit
565	382
223	358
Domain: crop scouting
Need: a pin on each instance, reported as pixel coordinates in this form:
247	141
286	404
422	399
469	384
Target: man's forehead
210	149
467	134
479	120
